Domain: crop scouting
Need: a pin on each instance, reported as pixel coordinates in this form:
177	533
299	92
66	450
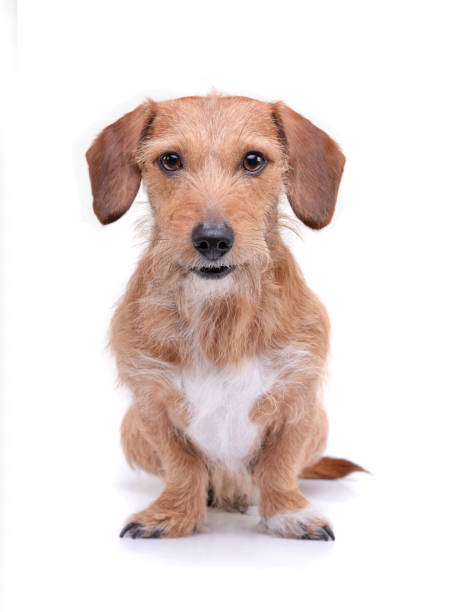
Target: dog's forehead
214	118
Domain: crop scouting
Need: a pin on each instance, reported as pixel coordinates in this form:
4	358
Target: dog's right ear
113	168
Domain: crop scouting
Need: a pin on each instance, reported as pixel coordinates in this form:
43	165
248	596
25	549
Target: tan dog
218	337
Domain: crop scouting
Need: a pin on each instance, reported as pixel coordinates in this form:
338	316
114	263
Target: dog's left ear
113	168
315	167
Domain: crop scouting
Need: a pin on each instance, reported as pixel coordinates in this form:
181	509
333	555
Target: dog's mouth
213	271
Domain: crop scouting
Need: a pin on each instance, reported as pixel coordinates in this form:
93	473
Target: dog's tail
329	468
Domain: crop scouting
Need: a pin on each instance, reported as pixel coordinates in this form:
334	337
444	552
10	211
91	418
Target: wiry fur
225	374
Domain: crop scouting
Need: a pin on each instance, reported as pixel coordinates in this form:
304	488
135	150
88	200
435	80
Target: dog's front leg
181	509
283	508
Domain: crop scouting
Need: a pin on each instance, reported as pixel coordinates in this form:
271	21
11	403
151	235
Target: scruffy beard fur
225	373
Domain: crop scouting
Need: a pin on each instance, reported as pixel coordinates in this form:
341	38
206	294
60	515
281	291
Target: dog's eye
254	162
170	161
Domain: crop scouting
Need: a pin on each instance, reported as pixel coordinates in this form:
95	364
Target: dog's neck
223	326
226	320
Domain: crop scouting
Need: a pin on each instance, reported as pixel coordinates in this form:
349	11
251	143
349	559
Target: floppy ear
315	166
113	169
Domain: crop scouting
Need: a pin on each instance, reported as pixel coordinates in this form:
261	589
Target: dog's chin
213	272
210	282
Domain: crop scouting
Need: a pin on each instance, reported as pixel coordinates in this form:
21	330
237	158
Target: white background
374	75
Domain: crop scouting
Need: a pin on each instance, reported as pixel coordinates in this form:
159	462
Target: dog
218	337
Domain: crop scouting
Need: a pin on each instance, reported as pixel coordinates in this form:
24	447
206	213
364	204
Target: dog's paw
305	524
138	530
239	503
151	525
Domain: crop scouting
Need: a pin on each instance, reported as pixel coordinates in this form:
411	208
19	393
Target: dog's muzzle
212	241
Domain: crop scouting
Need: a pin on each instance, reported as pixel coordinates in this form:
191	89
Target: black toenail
127	527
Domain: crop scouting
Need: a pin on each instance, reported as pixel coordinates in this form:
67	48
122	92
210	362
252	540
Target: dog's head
214	168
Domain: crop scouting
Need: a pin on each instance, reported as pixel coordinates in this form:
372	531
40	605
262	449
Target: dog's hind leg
231	490
138	451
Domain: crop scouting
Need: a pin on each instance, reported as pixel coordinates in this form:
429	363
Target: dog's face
214	169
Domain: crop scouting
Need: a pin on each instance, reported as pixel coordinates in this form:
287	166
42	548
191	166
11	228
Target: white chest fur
220	400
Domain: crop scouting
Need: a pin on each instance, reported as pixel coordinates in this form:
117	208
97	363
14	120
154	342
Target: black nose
212	240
